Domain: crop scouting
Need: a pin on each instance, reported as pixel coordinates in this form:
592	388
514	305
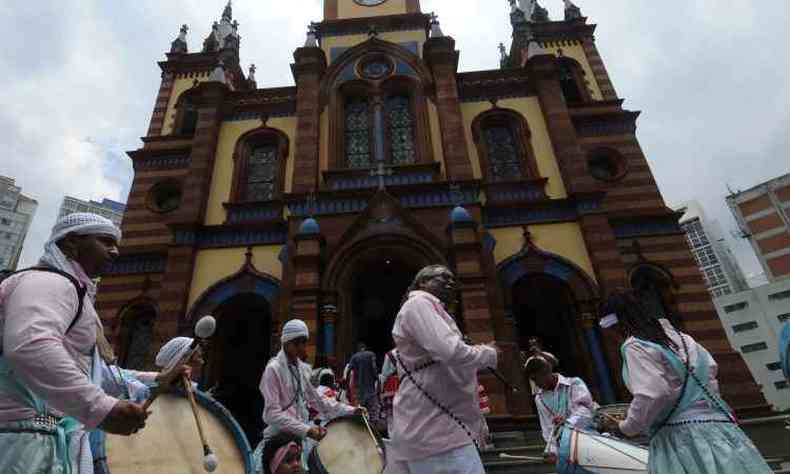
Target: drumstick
375	440
157	391
520	458
210	461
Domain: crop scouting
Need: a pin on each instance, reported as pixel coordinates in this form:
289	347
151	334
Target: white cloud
81	79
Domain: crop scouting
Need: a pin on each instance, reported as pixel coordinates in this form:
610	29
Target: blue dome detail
460	216
309	227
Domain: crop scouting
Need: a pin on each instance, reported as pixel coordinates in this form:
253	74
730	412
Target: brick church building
322	200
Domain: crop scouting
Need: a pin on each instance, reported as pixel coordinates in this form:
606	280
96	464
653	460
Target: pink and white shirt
36	308
424	332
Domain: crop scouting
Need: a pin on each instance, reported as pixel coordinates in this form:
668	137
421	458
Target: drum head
170	442
347	448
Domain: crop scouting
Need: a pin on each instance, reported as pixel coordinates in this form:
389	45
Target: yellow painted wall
221	181
213	265
564	239
180	85
576	52
350	41
350	9
530	108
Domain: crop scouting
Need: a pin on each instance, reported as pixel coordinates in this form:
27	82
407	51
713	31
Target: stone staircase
769	434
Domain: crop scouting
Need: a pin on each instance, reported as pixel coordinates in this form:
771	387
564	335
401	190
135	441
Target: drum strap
439	405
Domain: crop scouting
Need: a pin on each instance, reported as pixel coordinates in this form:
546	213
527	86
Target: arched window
606	164
358	132
503	144
572	82
137	333
186	116
259	171
400	127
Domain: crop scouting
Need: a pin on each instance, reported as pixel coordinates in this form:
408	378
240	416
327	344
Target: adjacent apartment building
108	208
763	214
722	274
16	214
753	320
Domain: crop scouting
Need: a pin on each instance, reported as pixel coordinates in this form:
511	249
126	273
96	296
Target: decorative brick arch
522	134
244	145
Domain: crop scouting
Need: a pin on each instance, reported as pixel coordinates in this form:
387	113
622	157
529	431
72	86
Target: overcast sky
81	78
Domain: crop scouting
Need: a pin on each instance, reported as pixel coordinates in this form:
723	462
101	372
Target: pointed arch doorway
369	288
245	307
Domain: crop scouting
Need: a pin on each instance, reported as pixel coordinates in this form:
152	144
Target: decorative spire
312	36
572	12
251	78
539	14
436	30
218	75
227	14
503	57
179	45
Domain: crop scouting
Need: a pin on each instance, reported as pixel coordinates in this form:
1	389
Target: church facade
320	201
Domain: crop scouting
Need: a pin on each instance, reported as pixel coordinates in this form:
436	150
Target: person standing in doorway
364	373
676	396
436	418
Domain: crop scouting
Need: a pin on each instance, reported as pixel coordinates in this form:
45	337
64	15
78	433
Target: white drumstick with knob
204	329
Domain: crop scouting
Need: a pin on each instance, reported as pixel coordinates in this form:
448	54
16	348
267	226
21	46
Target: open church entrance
544	307
237	357
377	293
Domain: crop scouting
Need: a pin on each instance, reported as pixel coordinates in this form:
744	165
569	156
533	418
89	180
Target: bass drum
347	448
170	444
585	452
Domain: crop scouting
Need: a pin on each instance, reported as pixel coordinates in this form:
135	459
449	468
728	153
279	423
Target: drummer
560	400
287	392
676	396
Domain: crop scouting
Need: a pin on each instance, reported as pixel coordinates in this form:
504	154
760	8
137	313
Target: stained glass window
504	158
401	130
141	334
261	173
357	133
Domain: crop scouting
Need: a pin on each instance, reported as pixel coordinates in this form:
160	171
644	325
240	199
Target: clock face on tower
370	3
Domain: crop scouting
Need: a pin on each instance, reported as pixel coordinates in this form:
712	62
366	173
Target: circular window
375	67
165	196
606	165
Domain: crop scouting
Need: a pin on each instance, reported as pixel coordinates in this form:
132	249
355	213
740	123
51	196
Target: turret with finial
436	29
251	77
572	12
179	45
312	36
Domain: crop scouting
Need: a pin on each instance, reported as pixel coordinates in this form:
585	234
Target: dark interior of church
237	358
377	295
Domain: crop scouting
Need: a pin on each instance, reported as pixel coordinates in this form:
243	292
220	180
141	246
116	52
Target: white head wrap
171	353
294	329
609	321
326	371
81	223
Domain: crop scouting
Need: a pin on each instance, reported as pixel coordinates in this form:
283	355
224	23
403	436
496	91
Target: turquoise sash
557	402
693	393
11	387
784	348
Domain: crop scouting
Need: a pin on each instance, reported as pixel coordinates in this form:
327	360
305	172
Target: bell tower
346	9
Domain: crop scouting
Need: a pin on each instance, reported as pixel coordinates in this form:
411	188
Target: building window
736	307
715	277
165	196
137	336
774	366
760	346
261	174
504	160
706	257
504	146
782	385
572	83
606	164
186	117
357	128
783	318
696	234
783	295
400	122
259	171
751	325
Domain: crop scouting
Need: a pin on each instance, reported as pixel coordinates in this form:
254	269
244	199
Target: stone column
305	293
328	324
442	58
308	69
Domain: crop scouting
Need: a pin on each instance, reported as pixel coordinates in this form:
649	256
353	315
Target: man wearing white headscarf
50	387
287	392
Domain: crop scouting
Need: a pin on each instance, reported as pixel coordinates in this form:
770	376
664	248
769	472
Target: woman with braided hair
676	396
